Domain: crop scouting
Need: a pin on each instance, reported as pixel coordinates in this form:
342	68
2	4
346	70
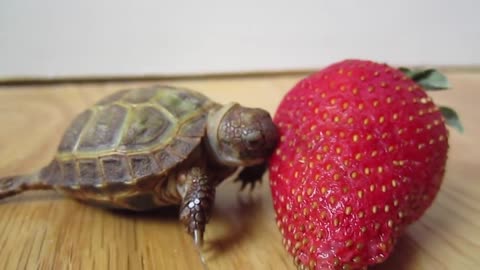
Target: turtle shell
129	136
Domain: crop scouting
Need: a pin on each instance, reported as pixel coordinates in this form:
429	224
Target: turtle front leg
251	175
197	204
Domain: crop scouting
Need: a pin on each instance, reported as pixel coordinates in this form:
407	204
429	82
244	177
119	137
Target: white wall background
119	37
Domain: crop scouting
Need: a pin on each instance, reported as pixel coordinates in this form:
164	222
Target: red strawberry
362	154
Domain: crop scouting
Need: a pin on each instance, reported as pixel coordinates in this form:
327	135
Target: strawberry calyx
429	79
433	80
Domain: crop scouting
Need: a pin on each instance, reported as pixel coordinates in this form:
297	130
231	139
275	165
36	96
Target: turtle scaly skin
142	149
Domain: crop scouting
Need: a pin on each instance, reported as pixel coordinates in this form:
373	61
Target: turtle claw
252	184
198	237
251	176
198	241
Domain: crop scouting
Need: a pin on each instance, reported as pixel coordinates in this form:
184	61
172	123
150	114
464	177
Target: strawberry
362	154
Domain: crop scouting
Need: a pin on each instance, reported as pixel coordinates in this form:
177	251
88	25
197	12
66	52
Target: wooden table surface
43	230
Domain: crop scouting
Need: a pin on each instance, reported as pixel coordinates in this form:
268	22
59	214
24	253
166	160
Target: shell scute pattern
194	129
89	172
115	168
175	103
71	135
130	135
138	97
143	165
52	172
166	159
103	131
148	126
68	168
182	147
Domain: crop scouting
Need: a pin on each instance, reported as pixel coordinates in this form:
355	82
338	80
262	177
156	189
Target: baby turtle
145	148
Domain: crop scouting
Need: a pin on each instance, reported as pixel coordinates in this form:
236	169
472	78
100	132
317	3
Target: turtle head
241	136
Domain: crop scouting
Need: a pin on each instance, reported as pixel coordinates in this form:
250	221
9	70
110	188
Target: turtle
149	147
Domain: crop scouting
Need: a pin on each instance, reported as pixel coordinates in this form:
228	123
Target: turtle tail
13	185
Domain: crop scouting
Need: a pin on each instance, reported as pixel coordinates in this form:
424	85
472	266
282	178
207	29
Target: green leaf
429	79
451	118
408	72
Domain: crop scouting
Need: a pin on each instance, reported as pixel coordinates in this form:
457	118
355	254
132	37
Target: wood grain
44	230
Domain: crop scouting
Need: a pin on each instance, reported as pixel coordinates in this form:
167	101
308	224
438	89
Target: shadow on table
234	219
165	214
